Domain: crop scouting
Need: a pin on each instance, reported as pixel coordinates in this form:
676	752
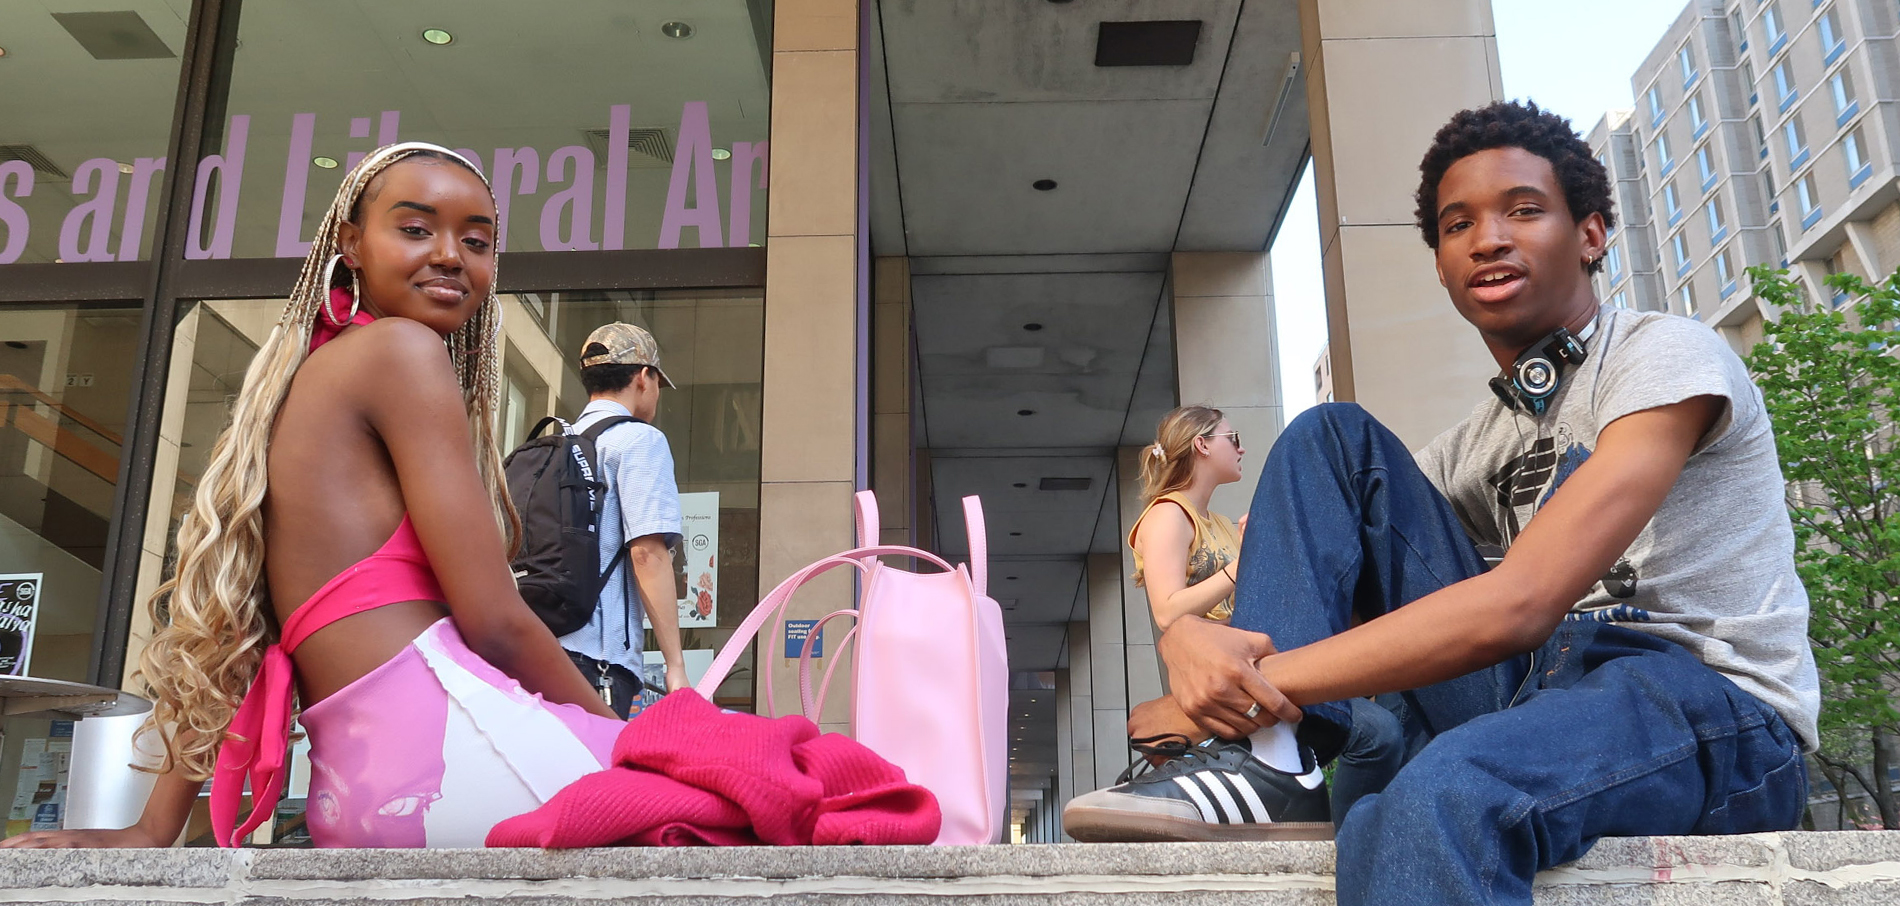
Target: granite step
1759	870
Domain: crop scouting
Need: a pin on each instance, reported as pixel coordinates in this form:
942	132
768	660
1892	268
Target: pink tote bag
930	685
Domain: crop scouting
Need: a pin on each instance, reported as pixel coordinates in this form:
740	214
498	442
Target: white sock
1277	748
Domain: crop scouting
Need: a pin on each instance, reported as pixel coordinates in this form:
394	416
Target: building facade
1764	134
876	248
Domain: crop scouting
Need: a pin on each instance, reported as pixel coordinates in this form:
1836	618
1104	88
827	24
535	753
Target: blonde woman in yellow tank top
1185	556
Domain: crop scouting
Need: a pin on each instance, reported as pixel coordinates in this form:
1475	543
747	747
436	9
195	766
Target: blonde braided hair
215	614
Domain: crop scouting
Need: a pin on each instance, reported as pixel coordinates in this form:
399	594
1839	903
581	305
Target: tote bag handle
775	602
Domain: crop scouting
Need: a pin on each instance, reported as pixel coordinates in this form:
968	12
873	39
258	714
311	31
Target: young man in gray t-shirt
1635	662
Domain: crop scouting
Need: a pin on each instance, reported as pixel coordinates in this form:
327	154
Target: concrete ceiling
972	102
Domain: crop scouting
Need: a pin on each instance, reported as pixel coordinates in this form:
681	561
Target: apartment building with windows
1631	275
1766	133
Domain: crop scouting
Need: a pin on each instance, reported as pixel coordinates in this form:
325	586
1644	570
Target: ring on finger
1253	711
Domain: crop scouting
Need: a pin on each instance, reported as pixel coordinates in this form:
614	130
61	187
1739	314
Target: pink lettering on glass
98	210
11	214
613	208
132	230
290	241
577	198
229	168
509	162
744	154
692	156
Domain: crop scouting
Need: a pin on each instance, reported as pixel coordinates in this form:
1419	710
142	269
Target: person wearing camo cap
620	367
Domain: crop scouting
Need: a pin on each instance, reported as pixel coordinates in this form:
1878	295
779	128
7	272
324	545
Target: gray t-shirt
1714	568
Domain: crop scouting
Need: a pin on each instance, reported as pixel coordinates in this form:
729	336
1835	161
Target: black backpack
556	485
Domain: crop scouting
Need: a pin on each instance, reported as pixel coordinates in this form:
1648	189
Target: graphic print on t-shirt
1526	483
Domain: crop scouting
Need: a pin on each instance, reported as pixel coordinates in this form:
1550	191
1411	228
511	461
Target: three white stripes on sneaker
1228	811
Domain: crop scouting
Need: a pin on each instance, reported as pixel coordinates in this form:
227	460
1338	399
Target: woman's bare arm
425	428
1163	539
166	812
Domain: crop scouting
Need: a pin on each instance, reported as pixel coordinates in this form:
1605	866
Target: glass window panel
1696	116
1842	87
1685	59
85	119
1771	22
1784	80
1662	151
1830	28
1796	136
1705	162
1670	201
1854	150
602	128
65	383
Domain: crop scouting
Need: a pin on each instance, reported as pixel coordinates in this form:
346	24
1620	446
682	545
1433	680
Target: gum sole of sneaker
1099	825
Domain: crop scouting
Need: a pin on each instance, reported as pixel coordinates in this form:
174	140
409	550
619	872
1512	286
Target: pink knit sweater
686	773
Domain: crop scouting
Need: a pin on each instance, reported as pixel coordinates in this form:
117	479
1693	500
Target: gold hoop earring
329	283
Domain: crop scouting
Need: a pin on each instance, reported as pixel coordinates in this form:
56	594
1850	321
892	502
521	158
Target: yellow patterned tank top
1216	544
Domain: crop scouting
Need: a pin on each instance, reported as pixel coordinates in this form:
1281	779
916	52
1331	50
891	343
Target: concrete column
1108	666
1081	698
892	355
810	441
1065	746
1227	354
1381	78
1143	668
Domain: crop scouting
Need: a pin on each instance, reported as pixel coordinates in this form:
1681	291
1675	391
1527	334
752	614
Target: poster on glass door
19	610
696	561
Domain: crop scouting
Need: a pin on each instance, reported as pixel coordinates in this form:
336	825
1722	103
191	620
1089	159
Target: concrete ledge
1796	869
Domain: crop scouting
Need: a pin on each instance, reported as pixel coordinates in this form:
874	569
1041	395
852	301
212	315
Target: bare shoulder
395	357
1165	522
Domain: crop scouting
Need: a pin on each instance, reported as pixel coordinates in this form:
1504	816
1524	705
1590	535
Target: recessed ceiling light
327	163
436	36
721	154
676	30
1025	412
1043	185
125	168
1015	534
1020	484
1032	326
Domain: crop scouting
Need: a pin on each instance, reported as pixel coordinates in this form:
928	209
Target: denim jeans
1601	731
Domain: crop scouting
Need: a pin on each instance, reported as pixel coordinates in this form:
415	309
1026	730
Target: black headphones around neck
1539	371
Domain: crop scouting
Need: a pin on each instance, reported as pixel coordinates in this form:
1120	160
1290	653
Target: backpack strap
543	424
592	450
598	428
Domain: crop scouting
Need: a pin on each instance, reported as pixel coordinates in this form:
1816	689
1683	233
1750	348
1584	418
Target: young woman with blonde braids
351	534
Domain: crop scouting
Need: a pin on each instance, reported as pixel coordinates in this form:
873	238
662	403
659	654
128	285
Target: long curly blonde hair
214	613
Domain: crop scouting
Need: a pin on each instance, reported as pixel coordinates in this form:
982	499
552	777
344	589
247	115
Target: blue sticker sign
795	633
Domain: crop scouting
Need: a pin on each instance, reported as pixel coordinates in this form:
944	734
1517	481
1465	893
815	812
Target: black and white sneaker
1216	791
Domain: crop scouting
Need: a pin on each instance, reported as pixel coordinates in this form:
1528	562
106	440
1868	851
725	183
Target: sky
1573	59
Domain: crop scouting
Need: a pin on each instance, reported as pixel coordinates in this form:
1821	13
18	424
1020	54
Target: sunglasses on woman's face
1233	434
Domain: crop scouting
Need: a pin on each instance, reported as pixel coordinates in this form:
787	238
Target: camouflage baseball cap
626	344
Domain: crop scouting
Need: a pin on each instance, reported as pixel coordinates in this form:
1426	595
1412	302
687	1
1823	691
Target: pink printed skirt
436	746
